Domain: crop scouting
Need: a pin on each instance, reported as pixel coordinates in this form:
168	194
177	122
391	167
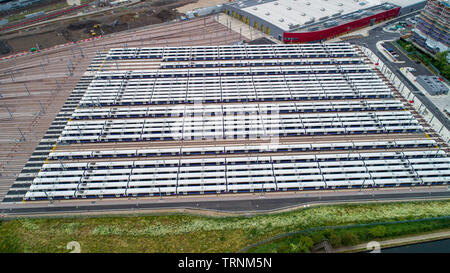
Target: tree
409	48
442	64
446	72
441	59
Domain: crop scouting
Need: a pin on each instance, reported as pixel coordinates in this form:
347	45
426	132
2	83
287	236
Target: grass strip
192	233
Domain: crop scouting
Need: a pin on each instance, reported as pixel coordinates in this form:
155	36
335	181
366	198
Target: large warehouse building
228	119
300	21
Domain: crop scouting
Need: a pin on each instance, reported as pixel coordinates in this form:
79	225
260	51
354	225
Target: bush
254	232
304	245
378	231
317	237
284	248
349	238
353	236
10	244
335	240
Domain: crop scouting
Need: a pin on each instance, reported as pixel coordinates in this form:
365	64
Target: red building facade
325	34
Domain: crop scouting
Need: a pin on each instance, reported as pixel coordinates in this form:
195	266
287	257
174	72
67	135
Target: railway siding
167	129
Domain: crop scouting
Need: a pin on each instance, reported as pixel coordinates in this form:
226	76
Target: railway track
41	71
137	158
211	143
50	84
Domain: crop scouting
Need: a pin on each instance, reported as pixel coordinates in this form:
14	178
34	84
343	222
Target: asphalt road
378	34
420	69
255	204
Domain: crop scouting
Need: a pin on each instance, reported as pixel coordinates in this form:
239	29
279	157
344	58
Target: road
378	34
230	203
420	69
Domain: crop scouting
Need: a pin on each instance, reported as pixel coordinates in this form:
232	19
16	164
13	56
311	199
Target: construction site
39	91
70	24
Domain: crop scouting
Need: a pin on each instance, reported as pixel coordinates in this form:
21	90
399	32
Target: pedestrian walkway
383	51
363	32
397	242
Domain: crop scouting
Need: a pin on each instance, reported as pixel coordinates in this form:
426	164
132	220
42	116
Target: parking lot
404	26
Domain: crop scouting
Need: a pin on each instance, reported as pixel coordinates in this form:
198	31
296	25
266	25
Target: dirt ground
44	39
145	13
5	48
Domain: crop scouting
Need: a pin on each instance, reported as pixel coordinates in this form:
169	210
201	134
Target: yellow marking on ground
102	64
428	136
53	149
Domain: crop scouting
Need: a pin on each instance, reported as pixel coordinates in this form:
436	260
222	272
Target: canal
440	246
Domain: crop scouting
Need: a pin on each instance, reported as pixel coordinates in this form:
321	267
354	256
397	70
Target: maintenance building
301	21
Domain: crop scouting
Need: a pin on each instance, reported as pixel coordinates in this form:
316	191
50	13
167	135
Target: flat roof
402	3
289	14
295	14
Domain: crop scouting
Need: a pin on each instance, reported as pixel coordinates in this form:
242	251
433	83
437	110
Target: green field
190	233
